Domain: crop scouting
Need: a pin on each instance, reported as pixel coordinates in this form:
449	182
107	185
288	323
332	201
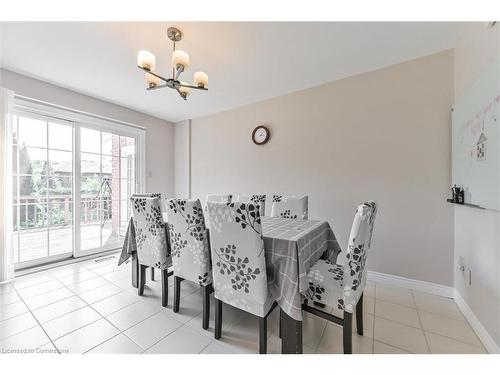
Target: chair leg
262	335
152	274
218	318
177	293
142	279
164	287
359	315
279	326
206	306
347	330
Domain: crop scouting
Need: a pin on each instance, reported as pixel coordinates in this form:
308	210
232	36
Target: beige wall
382	135
159	133
477	232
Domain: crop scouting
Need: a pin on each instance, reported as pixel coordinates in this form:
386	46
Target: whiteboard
476	140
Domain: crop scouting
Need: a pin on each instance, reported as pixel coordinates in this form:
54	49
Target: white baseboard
488	342
418	285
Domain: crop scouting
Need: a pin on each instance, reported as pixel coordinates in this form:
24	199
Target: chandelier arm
193	87
153	73
177	72
157	87
183	96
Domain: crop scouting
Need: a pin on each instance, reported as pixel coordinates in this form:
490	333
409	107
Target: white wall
182	159
477	232
159	133
382	135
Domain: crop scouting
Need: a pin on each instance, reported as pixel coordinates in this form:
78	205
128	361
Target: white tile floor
91	307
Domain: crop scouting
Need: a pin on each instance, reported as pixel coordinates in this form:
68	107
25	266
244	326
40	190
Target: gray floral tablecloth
291	246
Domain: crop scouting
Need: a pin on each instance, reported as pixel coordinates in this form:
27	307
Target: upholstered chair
290	207
151	239
150	195
190	250
239	264
343	285
224	198
257	199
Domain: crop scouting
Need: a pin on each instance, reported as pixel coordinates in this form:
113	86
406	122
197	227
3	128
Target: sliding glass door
71	184
42	189
106	177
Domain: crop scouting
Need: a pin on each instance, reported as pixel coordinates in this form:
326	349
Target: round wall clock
260	135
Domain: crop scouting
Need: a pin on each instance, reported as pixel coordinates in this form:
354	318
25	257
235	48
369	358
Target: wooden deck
33	243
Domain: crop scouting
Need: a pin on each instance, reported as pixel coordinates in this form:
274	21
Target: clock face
260	135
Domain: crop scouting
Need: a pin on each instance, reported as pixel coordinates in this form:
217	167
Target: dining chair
190	250
290	207
224	198
239	264
151	240
151	195
257	199
343	285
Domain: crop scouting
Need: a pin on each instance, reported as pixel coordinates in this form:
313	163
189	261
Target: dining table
291	247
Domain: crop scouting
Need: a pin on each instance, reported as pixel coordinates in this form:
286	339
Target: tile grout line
392	346
420	322
445	336
39	324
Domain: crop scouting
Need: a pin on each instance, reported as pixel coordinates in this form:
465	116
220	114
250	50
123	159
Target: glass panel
61	211
32	132
111	223
32	160
60	186
90	236
90	164
33	244
127	188
127	145
127	168
33	215
90	186
60	136
32	186
107	165
60	231
61	163
90	140
110	144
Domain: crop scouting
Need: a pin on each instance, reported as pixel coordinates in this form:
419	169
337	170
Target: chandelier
180	62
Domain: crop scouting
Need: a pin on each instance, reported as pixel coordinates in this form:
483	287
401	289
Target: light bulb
146	60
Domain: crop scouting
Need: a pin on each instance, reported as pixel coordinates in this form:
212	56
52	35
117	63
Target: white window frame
31	107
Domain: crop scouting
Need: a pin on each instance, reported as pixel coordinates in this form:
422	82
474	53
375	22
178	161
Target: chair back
150	233
238	256
188	241
150	195
355	271
220	198
290	207
257	199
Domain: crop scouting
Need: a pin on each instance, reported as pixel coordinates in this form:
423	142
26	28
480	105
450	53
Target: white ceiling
246	62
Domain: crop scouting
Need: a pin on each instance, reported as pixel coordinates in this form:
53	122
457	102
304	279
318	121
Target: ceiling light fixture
180	62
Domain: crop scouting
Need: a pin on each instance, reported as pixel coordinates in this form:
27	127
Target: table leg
291	334
135	270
